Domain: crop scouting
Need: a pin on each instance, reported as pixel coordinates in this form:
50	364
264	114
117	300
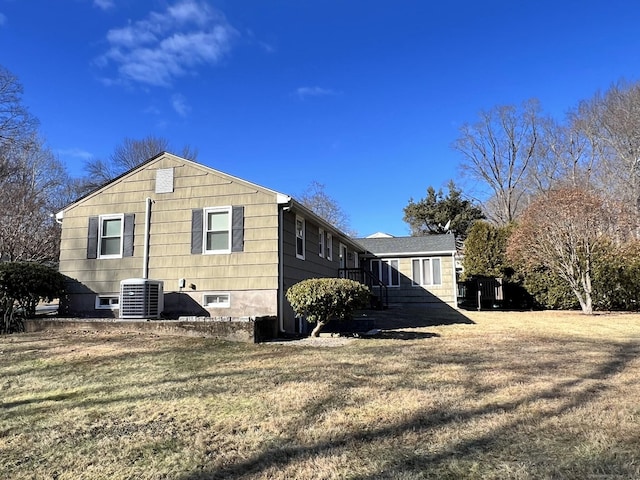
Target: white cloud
104	4
3	19
179	104
304	92
170	44
75	153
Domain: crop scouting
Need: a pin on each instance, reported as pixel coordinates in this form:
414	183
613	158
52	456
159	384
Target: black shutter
92	238
237	229
127	240
196	231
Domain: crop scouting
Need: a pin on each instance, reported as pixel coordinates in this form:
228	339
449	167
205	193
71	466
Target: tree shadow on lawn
400	335
394	318
570	394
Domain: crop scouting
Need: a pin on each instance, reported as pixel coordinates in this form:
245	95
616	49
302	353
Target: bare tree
126	156
30	194
31	181
565	230
316	199
16	123
617	123
498	151
564	155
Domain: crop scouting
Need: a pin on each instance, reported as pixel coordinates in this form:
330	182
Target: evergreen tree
437	213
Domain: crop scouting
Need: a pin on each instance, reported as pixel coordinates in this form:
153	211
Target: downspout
147	227
281	269
455	281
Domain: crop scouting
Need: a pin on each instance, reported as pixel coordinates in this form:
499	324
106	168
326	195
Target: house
220	245
417	271
193	241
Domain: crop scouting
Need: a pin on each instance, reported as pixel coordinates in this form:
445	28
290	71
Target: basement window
217	300
107	302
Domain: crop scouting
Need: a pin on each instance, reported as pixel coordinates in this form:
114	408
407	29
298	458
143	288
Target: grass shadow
400	335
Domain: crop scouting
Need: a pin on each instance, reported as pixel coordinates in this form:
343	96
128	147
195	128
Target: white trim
224	304
101	220
455	280
205	229
111	306
411	254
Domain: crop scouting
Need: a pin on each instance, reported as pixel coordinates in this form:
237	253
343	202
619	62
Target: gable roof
281	198
428	244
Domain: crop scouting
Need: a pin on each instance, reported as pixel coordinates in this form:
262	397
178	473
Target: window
300	238
217	230
329	246
386	271
110	235
321	238
426	271
217	300
104	302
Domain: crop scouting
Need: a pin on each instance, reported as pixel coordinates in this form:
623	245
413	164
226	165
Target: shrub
323	299
548	290
22	286
616	278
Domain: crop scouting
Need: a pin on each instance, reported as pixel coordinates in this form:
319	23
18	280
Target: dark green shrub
548	290
485	251
323	299
22	286
616	278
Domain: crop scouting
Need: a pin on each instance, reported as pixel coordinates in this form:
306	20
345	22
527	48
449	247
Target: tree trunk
586	303
316	331
587	308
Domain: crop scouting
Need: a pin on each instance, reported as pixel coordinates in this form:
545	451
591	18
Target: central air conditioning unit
141	298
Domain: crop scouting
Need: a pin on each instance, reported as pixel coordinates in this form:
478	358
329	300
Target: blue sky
365	97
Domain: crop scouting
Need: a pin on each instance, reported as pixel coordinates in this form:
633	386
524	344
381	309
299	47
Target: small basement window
217	300
104	302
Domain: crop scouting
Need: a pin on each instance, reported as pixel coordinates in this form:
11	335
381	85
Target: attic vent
141	298
164	180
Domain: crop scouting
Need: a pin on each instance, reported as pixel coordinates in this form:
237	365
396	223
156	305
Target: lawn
509	396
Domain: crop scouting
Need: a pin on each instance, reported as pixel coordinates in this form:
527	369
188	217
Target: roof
380	235
428	244
281	198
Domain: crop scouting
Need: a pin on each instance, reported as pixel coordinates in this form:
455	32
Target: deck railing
365	277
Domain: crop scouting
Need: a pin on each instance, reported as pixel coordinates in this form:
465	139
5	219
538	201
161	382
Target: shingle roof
410	245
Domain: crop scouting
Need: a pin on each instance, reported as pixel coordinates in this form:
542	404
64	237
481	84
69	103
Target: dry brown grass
513	395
